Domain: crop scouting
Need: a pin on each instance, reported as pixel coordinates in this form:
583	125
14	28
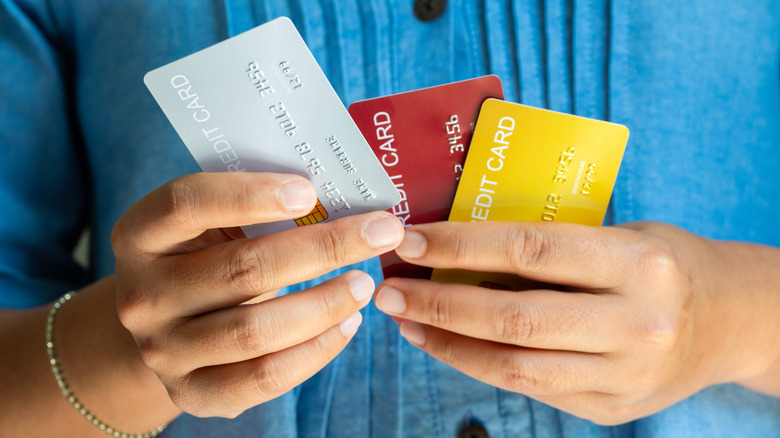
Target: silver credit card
260	102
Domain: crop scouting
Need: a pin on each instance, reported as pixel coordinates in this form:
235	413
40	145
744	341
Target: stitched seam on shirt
369	365
328	408
610	215
543	50
335	43
433	396
502	412
569	11
451	48
228	19
512	68
393	51
608	70
531	417
401	349
619	16
473	37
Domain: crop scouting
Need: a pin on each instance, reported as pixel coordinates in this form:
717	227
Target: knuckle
188	395
520	324
246	194
323	348
330	305
527	247
131	308
460	249
441	307
332	243
250	268
663	329
660	260
519	376
250	194
662	332
179	200
153	354
124	234
251	334
268	379
188	400
448	351
119	237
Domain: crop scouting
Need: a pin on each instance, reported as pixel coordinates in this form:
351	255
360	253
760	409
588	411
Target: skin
189	321
634	319
99	360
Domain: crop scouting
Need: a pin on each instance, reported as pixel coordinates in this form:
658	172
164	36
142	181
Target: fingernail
382	232
297	196
350	325
361	286
413	332
413	246
390	300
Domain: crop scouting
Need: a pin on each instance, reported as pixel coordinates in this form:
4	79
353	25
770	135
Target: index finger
187	206
544	319
559	253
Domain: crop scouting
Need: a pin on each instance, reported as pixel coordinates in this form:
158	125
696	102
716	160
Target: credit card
260	102
421	138
530	164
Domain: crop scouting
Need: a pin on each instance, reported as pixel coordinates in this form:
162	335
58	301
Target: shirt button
427	10
473	430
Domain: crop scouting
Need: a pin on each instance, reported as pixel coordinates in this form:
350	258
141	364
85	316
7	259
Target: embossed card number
530	164
259	102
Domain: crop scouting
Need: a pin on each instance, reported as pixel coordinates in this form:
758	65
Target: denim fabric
697	82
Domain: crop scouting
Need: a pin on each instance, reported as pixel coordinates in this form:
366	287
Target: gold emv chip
318	214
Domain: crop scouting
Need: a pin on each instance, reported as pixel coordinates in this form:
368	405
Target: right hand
192	291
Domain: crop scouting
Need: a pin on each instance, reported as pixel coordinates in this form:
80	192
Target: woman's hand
640	317
195	297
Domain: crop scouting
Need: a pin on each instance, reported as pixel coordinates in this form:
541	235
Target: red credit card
421	138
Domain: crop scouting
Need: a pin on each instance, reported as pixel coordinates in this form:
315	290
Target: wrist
62	383
748	293
102	364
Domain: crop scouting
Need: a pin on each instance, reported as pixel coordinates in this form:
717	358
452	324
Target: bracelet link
51	353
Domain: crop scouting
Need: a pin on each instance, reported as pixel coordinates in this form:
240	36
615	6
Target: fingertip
414	332
390	300
382	231
361	285
413	246
350	325
297	196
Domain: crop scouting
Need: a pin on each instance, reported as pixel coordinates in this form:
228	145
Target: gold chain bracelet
66	391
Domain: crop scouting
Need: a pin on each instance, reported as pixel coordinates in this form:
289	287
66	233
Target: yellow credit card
530	164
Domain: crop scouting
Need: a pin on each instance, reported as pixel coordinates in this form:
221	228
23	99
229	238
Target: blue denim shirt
696	81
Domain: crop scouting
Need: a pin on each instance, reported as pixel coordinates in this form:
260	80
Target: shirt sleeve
44	181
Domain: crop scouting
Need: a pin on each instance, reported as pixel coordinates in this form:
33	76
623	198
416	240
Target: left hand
644	314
